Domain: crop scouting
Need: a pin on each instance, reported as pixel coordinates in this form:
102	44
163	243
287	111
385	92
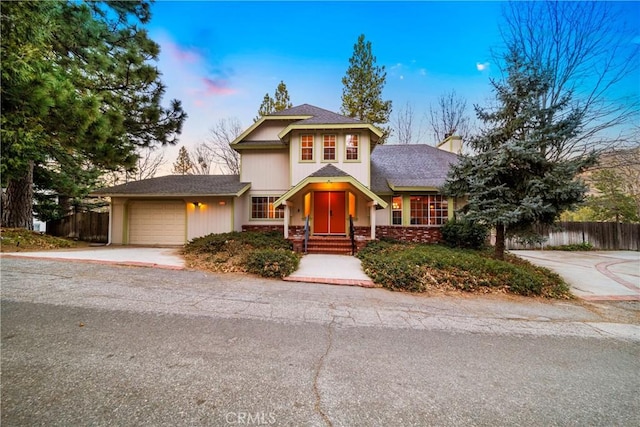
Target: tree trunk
18	209
500	239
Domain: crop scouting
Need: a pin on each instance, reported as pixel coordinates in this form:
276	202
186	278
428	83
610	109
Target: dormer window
352	147
306	148
329	148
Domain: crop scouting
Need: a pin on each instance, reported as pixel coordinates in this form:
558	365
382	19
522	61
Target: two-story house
302	168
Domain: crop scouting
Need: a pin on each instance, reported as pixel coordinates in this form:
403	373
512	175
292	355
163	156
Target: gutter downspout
110	222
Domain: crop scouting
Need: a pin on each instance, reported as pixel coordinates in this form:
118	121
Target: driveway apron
593	276
138	256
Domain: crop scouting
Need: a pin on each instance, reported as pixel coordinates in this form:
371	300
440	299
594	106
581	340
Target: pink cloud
183	55
216	87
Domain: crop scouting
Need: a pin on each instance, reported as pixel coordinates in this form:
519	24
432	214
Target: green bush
237	241
272	262
574	247
463	233
418	268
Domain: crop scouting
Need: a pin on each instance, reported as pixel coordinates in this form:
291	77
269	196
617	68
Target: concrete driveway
117	255
594	276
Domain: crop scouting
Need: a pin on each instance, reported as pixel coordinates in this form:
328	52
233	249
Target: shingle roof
318	115
329	171
409	166
188	185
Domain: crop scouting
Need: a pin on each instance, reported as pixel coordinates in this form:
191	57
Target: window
396	210
429	210
352	145
262	208
306	148
329	148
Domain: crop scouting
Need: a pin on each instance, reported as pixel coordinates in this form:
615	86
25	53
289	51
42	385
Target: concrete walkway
331	269
137	256
593	276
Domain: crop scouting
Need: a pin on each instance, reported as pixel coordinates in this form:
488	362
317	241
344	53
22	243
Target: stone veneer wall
410	234
405	234
294	230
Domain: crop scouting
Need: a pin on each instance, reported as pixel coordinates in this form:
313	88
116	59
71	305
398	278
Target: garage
157	222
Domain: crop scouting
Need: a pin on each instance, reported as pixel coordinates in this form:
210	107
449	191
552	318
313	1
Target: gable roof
303	116
406	167
330	173
310	114
179	185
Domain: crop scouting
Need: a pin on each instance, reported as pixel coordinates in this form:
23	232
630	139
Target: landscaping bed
19	239
265	254
422	267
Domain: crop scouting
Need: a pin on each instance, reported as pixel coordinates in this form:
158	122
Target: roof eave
238	193
262	120
332	179
413	188
249	146
307	126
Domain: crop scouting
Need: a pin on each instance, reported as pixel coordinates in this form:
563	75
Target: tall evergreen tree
514	180
363	85
79	95
279	102
183	164
612	202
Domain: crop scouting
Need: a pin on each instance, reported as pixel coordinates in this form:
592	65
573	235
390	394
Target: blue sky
220	58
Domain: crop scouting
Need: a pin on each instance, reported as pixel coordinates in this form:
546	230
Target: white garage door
157	223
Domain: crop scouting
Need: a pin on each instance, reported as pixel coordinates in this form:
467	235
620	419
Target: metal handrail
352	232
306	233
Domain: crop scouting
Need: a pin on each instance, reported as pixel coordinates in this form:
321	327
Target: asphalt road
99	345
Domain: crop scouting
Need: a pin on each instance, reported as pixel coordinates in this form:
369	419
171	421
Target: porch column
372	218
286	220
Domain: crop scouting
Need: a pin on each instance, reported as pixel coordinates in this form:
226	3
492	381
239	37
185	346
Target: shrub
463	233
272	262
231	252
574	247
234	241
419	268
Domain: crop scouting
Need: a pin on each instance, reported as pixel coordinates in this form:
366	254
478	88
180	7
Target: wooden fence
601	235
86	226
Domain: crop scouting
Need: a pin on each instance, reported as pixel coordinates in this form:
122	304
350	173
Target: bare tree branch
221	135
449	117
150	160
588	54
403	126
202	158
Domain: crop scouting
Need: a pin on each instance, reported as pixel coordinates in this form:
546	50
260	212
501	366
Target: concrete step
329	245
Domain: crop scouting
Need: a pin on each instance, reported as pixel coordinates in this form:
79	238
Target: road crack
316	390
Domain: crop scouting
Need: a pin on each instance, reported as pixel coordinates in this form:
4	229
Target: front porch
329	203
362	235
319	244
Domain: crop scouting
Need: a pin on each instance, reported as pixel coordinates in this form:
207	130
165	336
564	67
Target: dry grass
21	240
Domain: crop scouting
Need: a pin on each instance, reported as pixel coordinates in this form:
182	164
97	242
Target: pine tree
513	182
79	95
183	164
612	203
279	102
363	85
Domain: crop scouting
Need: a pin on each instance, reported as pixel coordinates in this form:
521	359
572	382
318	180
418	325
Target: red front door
329	212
